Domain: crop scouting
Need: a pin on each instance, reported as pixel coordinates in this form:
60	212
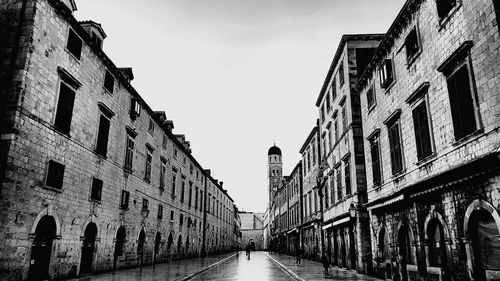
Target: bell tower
275	170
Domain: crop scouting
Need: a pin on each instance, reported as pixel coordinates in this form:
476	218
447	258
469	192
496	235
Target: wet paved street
259	267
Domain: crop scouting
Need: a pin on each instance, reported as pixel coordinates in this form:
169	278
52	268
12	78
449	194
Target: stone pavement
172	271
310	270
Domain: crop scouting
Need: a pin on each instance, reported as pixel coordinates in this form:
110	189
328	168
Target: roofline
345	38
311	134
386	42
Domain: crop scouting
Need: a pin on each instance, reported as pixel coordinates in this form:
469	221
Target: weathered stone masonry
84	233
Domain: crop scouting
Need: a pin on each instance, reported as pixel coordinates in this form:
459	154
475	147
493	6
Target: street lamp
352	211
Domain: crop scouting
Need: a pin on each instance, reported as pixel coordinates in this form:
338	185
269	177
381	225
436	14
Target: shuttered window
395	147
74	45
444	7
347	176
64	111
375	155
422	131
461	103
103	135
96	190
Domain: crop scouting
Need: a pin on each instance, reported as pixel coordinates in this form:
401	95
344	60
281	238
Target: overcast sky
234	75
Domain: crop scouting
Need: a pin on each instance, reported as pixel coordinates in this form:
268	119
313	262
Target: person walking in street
326	264
298	253
248	250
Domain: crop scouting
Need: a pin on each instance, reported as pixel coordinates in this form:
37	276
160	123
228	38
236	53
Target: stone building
252	230
347	240
311	213
430	109
92	179
292	216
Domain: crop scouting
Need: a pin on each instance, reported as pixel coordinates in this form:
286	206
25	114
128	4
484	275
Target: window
422	130
327	101
135	108
145	204
395	147
444	7
165	141
201	201
183	190
160	212
370	97
332	188
375	155
339	183
196	199
462	101
386	74
109	81
103	134
163	172
308	160
323	113
341	74
149	159
190	196
181	219
74	45
55	174
174	177
191	169
347	175
344	117
334	89
336	127
412	45
124	200
96	40
324	145
64	111
96	190
172	215
314	152
151	128
175	153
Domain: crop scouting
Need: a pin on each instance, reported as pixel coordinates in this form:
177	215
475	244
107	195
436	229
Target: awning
386	203
341	221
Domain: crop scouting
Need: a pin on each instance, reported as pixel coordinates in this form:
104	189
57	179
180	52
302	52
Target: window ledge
388	88
128	170
95	201
427	159
398	175
371	108
469	137
73	56
107	91
147	181
57	190
413	58
100	155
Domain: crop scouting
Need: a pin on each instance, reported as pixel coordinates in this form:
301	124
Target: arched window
437	246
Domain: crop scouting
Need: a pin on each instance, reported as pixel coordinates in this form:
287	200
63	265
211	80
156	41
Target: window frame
411	57
124	200
396	121
48	175
423	101
371	105
148	169
57	118
78	56
106	84
386	78
374	143
98	191
129	152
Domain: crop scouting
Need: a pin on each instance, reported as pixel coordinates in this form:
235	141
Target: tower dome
274	150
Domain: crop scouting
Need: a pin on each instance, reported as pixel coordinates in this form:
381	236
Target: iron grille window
64	112
55	174
124	199
422	130
74	45
395	147
386	74
109	81
96	190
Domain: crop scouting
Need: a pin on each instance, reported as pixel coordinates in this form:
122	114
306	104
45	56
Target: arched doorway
140	245
119	243
483	230
179	245
41	249
88	247
157	246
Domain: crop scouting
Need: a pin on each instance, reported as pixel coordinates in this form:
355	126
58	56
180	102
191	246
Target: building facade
92	179
252	230
430	113
347	237
310	228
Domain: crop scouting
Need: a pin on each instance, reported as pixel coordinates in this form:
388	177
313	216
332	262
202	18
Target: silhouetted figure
248	249
299	255
326	265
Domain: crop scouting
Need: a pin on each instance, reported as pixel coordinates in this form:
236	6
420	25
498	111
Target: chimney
70	4
221	184
95	32
127	72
